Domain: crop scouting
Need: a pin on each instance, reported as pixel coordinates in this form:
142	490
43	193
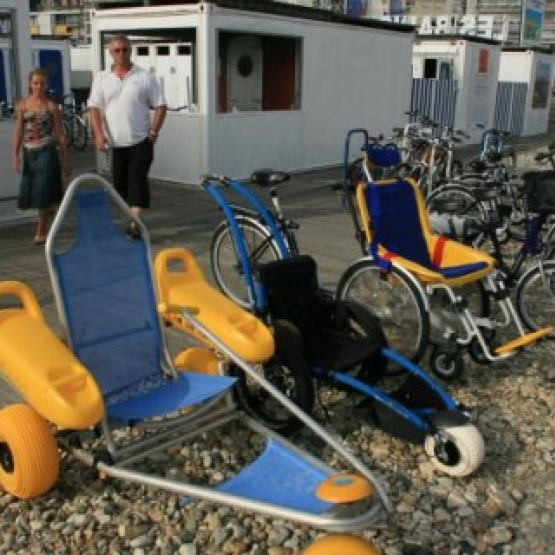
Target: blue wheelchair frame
421	422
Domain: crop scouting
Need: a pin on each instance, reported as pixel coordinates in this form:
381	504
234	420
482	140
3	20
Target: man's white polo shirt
126	104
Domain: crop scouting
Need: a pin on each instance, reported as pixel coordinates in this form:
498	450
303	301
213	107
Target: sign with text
486	26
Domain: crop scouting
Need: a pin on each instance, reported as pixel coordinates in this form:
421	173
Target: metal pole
521	27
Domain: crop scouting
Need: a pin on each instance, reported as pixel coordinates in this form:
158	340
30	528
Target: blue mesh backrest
395	220
108	297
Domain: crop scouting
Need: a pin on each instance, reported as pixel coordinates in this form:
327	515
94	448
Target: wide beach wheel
341	544
29	457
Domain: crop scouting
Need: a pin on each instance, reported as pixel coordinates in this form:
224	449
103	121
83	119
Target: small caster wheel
446	362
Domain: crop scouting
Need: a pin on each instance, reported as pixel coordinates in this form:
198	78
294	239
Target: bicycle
76	128
266	236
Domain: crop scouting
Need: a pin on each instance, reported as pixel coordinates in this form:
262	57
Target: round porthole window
245	66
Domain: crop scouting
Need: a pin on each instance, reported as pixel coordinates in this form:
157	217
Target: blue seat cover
110	304
280	477
395	224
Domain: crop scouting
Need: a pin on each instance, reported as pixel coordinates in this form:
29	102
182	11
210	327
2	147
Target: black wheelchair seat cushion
332	334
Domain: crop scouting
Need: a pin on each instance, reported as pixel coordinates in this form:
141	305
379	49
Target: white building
534	67
266	88
474	64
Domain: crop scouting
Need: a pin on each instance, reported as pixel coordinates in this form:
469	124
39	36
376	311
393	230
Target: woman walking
45	163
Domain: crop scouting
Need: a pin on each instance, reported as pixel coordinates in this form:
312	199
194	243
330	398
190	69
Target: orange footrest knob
344	488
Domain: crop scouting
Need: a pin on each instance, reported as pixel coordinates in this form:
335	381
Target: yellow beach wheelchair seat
116	345
398	236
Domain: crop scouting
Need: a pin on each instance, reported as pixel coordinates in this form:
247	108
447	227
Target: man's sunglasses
118	50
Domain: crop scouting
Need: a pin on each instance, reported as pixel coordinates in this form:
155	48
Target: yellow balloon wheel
29	457
341	544
197	359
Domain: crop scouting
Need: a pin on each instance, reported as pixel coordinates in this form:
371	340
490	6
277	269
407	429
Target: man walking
120	105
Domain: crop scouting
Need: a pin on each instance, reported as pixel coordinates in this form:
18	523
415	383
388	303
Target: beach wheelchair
421	284
341	342
111	396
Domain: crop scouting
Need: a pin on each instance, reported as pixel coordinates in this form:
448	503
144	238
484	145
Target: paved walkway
186	215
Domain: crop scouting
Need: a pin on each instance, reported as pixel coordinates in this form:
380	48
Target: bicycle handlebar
220	178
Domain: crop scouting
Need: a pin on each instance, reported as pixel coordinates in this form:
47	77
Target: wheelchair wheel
363	322
446	362
457	451
224	256
29	457
535	297
289	373
396	299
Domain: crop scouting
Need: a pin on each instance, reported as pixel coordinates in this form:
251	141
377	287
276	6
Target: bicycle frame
256	294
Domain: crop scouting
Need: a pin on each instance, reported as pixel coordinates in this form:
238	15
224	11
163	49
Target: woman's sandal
38	240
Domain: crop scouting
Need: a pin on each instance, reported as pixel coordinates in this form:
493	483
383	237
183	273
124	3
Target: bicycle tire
80	135
456	200
67	131
224	257
535	298
548	251
396	299
289	372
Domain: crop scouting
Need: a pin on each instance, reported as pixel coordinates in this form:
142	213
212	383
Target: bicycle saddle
267	177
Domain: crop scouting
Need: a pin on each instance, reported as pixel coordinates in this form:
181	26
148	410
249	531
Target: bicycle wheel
79	133
453	199
225	261
535	297
288	372
396	299
456	200
548	252
68	131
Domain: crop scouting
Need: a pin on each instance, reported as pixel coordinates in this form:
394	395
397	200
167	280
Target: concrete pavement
186	215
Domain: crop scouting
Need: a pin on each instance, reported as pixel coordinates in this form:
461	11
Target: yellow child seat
397	231
396	224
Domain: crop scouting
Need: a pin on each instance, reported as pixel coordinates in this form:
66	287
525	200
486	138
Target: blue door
51	61
3	94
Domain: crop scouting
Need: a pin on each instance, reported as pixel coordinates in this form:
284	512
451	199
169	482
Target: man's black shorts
130	167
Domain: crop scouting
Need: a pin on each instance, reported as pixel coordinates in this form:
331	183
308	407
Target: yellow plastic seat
47	375
181	283
451	263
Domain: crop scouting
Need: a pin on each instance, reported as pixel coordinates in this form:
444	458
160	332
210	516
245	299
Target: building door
244	74
51	62
3	91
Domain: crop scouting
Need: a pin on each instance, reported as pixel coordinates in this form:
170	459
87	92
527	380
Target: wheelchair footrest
523	341
280	476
